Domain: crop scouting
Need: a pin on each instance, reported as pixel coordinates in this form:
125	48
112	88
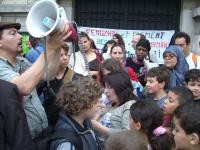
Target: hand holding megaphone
45	17
58	38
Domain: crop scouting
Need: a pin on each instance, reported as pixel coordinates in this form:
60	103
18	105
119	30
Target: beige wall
189	25
17	10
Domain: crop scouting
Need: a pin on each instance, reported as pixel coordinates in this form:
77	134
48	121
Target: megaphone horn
45	17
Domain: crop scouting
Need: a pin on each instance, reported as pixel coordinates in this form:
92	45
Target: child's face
90	113
171	103
182	140
153	86
132	124
194	86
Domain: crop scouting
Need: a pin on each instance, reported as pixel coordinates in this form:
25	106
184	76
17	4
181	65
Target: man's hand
58	38
99	128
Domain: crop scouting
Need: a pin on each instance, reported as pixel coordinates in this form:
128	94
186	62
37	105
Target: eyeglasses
168	56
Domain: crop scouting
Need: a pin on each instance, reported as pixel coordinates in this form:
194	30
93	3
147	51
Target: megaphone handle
46	62
63	14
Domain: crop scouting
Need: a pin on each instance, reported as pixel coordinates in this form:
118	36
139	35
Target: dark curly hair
189	117
76	96
192	75
161	73
150	117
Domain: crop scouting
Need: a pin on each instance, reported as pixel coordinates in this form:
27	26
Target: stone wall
17	10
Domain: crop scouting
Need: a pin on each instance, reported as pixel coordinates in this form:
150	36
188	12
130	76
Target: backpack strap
70	136
194	59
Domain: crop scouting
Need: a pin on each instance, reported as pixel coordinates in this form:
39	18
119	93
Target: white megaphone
45	17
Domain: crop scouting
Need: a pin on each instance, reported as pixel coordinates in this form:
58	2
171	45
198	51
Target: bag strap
194	58
70	136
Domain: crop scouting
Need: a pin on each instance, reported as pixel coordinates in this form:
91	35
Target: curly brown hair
76	96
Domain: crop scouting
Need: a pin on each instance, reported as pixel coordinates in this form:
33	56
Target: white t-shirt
191	62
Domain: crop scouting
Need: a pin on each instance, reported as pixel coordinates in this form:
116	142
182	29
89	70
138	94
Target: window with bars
129	14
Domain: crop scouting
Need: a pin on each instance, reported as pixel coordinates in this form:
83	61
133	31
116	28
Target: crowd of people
120	104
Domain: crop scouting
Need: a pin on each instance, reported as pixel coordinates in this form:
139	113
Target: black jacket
88	138
14	132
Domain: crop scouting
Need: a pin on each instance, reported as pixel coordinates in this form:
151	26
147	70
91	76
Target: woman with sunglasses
175	61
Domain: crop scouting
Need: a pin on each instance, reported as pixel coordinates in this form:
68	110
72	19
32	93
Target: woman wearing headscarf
174	60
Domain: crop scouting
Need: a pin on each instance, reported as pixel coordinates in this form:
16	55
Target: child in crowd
78	100
146	117
192	79
156	83
187	127
126	140
176	96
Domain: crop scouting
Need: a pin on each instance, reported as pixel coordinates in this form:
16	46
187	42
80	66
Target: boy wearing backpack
78	100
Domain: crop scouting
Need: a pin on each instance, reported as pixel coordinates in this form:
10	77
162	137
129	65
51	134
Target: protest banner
159	39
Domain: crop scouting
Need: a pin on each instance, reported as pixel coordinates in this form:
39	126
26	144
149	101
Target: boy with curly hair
78	100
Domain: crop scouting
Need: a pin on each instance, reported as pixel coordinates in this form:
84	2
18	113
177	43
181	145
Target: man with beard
17	70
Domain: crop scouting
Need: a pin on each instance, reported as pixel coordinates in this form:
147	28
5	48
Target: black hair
112	65
120	39
184	94
122	86
1	32
84	34
192	75
150	117
180	35
105	48
161	73
34	41
189	117
142	36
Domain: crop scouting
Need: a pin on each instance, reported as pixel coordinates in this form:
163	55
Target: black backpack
44	142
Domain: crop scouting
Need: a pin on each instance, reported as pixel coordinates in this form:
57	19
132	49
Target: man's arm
30	78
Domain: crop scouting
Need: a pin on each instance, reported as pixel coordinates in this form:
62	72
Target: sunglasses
168	56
